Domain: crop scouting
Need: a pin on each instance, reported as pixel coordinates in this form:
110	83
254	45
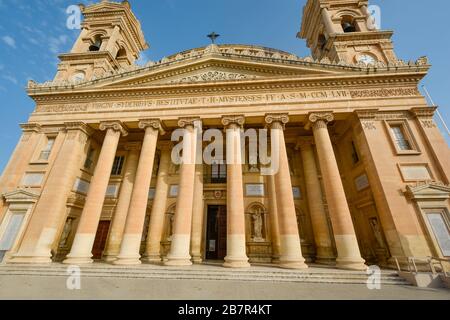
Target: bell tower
111	38
344	31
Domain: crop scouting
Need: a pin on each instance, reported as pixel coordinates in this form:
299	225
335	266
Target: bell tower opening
343	31
111	39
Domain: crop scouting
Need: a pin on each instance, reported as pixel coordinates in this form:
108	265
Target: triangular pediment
429	190
214	69
21	195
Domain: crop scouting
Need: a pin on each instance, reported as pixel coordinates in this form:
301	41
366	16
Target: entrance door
100	239
216	235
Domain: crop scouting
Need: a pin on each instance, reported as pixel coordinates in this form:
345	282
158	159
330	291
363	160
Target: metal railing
431	262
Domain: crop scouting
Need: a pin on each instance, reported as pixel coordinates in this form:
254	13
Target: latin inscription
292	97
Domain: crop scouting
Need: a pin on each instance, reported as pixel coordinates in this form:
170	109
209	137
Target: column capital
272	119
156	124
229	120
114	125
79	126
319	119
424	112
133	146
186	122
304	142
31	127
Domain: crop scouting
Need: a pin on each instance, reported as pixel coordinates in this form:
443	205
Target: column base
351	264
152	259
127	261
171	262
197	260
78	260
276	259
109	258
329	261
293	265
236	263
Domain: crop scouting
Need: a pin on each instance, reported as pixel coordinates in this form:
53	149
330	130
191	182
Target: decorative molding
21	196
156	124
377	93
213	76
230	120
429	190
81	126
114	125
31	127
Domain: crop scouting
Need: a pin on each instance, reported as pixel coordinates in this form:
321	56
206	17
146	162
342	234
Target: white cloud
55	44
9	41
143	59
10	78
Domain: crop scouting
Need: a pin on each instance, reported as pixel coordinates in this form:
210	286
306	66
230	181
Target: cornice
343	82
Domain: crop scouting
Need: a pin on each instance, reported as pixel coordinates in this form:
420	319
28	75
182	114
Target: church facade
362	173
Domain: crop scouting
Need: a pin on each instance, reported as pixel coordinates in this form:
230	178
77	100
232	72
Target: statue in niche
170	231
66	232
377	232
257	222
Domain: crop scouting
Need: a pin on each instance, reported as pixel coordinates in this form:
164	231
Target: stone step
202	273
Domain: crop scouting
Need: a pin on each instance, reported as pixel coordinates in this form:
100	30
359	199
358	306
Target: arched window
97	44
121	53
322	41
349	24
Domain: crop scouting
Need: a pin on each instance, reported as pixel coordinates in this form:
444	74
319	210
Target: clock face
79	76
366	59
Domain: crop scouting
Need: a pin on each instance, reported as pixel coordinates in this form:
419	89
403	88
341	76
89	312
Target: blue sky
32	33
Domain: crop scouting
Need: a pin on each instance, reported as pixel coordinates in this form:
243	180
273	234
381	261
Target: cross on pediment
213	36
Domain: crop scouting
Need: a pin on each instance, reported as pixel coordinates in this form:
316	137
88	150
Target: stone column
81	252
236	241
153	246
51	209
319	220
19	161
273	218
134	227
349	256
290	248
179	254
197	216
120	216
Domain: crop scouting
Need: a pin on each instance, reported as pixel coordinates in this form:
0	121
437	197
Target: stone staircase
314	274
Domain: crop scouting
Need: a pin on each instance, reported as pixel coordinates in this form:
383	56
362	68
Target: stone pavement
202	282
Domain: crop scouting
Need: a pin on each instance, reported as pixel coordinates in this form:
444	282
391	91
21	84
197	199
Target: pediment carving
428	191
21	196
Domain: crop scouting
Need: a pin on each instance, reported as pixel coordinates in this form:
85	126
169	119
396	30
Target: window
89	159
219	172
118	165
45	153
32	179
81	186
400	138
355	156
112	191
441	231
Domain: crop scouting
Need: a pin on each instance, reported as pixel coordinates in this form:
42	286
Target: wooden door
100	239
222	232
216	236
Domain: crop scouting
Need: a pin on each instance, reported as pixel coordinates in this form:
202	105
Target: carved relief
213	76
374	93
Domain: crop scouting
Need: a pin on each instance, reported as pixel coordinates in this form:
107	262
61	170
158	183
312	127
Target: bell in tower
111	39
344	31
